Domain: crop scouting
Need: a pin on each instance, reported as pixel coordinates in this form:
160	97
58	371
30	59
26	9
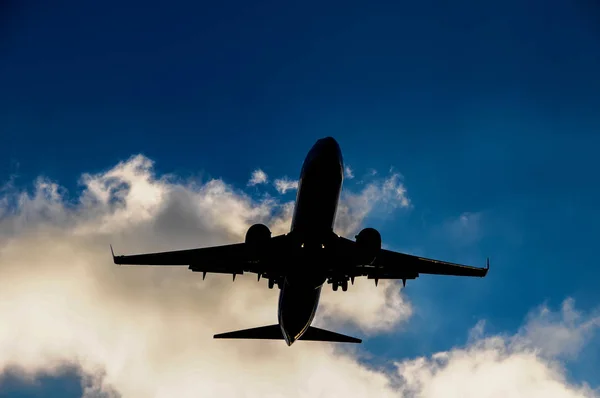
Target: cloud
147	331
465	229
380	314
285	184
396	191
523	365
557	334
381	195
258	177
348	172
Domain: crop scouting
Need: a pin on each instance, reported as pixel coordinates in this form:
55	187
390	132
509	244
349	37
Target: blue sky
485	108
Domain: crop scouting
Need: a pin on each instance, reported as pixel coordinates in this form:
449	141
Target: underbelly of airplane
298	304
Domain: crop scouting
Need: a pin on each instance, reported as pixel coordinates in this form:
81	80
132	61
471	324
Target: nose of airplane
329	147
329	143
325	155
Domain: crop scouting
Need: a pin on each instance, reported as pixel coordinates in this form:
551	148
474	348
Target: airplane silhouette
301	261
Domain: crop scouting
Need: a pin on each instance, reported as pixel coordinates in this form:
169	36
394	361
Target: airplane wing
395	265
234	259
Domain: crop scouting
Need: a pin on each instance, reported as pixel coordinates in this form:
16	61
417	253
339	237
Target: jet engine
369	243
257	237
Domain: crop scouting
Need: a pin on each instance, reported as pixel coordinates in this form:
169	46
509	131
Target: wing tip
112	252
487	267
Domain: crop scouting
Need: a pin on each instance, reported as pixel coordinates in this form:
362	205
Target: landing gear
273	282
336	283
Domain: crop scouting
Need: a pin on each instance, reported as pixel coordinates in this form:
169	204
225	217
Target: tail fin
273	332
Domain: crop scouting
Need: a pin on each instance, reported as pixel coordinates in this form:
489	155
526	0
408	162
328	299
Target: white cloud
465	229
523	365
557	334
383	196
147	331
285	184
258	177
348	172
396	190
380	314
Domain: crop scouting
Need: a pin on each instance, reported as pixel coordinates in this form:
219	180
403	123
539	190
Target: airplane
301	261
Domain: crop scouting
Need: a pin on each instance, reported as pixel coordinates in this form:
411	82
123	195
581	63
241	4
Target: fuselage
316	205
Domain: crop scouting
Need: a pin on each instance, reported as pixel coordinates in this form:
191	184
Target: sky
468	130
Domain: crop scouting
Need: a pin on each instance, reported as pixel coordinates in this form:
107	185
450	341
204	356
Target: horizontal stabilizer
273	332
316	334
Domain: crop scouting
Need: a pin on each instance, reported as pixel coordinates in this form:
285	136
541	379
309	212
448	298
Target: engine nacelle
369	243
257	237
257	234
